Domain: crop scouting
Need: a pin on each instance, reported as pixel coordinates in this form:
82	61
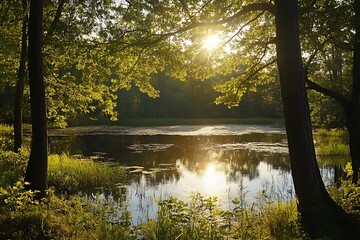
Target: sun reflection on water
213	180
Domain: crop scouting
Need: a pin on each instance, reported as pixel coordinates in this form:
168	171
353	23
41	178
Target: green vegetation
202	218
74	217
331	142
70	175
58	217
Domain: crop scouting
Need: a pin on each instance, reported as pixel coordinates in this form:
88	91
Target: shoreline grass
69	175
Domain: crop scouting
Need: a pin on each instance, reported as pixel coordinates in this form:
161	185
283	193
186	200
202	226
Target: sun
211	42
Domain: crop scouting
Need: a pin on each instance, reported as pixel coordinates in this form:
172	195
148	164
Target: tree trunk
353	127
18	133
36	172
353	117
319	213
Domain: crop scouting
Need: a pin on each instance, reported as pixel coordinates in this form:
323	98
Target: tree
319	213
18	135
350	104
36	171
11	21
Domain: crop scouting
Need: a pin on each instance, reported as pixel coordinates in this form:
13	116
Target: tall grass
331	142
203	218
334	132
55	217
70	175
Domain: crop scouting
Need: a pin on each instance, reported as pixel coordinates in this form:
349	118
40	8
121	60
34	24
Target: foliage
348	195
134	104
12	166
6	133
59	218
202	218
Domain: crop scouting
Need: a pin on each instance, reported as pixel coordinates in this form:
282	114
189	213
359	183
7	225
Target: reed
70	175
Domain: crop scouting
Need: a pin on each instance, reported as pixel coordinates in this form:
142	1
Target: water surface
227	161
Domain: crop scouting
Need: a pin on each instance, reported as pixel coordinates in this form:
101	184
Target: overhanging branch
327	92
246	9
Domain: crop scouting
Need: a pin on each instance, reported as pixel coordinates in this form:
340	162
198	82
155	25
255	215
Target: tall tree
318	211
36	172
18	134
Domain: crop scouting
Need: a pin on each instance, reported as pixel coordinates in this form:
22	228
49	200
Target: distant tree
18	134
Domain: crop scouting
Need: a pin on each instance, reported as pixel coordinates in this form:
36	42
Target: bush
12	167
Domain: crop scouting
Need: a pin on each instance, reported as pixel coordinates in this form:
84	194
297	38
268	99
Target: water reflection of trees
233	162
193	152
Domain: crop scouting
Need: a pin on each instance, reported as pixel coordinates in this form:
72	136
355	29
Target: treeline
189	99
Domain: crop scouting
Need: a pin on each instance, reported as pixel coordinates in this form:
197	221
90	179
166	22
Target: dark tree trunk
353	116
36	172
353	127
18	133
319	213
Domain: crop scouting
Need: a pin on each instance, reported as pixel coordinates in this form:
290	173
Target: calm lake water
227	161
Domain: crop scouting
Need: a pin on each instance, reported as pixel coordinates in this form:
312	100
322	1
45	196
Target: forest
179	119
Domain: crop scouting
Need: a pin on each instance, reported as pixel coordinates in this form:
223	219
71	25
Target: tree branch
312	57
254	73
316	87
243	26
327	92
55	21
246	9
